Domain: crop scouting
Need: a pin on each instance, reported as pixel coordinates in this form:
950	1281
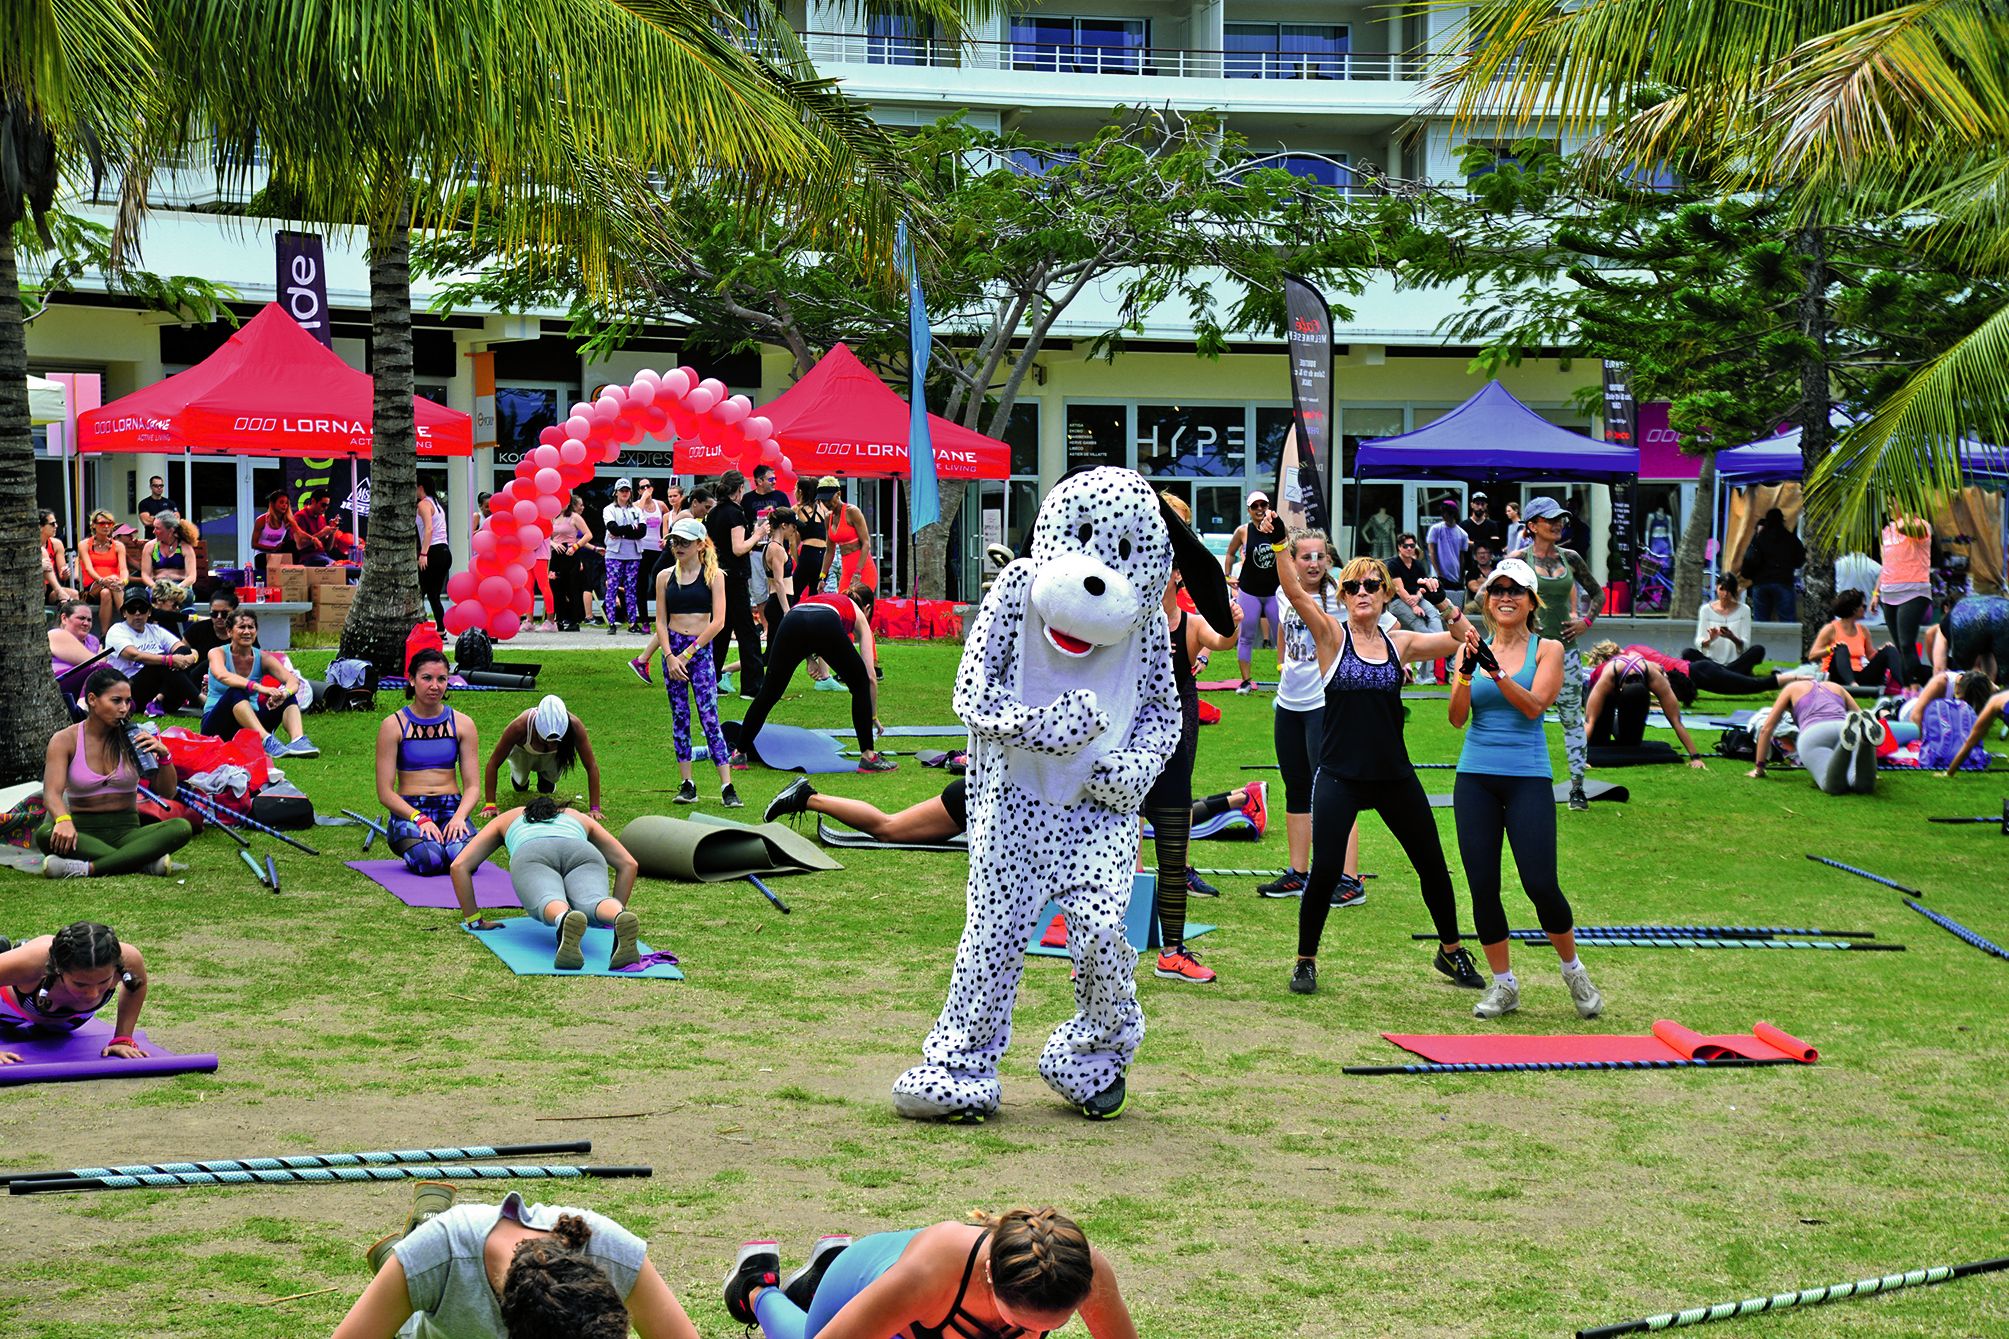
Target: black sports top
686	598
1259	560
1363	716
1182	675
960	1324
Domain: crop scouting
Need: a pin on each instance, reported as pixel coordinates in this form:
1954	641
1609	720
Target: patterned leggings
428	858
621	576
1569	706
703	686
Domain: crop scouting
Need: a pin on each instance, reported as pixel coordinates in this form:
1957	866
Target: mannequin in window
1378	533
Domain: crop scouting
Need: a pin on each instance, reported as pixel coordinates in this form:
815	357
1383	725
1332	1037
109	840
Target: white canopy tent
47	401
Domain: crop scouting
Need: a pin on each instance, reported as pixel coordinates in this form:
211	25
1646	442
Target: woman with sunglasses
101	568
543	742
1256	587
91	777
1363	761
1560	574
1505	787
55	562
54	984
690	612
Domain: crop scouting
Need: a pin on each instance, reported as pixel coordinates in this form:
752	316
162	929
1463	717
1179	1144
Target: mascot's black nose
1094	584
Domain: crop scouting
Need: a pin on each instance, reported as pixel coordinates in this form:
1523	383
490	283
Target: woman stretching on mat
1837	739
54	984
542	742
1363	761
1621	683
1038	1271
1298	728
838	630
254	690
690	611
515	1271
558	862
90	786
1505	787
427	754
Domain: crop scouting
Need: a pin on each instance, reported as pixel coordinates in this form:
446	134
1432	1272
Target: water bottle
148	764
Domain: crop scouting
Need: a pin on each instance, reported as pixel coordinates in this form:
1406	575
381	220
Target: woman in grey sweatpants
1837	742
558	862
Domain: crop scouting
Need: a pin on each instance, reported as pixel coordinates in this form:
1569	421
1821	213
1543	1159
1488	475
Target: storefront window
1358	425
1192	441
1273	425
1021	434
1095	435
521	412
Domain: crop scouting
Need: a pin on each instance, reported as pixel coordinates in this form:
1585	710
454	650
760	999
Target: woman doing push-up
427	761
1037	1272
558	862
543	743
56	983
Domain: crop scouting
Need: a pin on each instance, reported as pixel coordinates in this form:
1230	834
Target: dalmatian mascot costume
1066	686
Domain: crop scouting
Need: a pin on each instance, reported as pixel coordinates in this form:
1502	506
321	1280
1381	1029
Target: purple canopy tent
1494	437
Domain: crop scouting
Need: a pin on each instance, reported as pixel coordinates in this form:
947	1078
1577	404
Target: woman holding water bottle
90	784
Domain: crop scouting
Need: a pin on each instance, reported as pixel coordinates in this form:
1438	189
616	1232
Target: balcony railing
1101	59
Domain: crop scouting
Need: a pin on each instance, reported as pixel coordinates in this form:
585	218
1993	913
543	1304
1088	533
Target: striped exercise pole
376	829
1834	1292
229	832
1264	874
1958	931
294	1162
1864	874
1557	1066
323	1176
196	800
1652	942
1683	931
768	893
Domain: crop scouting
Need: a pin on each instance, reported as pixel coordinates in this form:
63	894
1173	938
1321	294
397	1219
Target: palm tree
68	84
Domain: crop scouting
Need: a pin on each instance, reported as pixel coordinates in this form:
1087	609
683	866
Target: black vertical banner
1621	417
302	289
1308	336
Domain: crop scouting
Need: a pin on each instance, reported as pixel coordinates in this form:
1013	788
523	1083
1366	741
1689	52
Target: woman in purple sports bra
428	770
1837	740
54	984
1038	1271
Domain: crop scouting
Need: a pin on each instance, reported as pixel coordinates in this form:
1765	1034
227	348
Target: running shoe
1257	805
1304	977
430	1199
832	684
1245	687
1582	993
877	762
303	747
160	868
793	800
800	1287
638	629
1458	965
613	628
725	685
737	760
1290	883
1350	892
1179	964
758	1265
1198	886
380	1251
64	867
730	799
155	709
275	747
571	929
1500	998
1107	1104
640	664
1578	800
687	793
627	929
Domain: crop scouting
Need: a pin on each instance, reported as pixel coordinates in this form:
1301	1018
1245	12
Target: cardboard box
326	576
334	597
293	582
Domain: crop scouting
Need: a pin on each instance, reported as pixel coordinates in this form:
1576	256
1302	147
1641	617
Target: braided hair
1039	1260
554	1292
83	946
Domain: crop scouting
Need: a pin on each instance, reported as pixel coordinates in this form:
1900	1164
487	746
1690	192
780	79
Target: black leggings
172	687
739	623
1299	736
1841	667
1335	804
811	630
1710	677
1169	806
1742	663
432	581
1904	620
1623	720
1522	809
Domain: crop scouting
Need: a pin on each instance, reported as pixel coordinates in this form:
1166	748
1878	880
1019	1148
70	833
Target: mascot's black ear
1201	571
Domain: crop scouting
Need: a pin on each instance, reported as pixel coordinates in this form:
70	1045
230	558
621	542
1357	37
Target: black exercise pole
1959	931
1797	1297
1683	931
189	796
1557	1066
324	1177
1865	874
768	893
301	1161
234	836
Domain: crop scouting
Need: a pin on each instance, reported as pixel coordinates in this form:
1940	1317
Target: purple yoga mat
75	1056
492	888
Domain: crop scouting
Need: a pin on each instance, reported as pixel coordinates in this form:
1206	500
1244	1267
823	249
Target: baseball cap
1514	570
624	483
829	482
550	719
689	527
1478	496
1263	498
1540	507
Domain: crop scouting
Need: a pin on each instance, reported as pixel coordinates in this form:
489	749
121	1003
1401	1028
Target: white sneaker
1245	687
1500	998
1589	1003
63	867
160	868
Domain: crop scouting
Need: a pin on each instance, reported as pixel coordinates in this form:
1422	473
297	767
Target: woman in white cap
1256	587
543	742
690	612
1560	574
1505	787
625	528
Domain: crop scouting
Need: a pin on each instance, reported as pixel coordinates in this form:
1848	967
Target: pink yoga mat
492	887
72	1056
1668	1041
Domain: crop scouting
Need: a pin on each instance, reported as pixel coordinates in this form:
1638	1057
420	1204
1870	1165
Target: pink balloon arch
494	594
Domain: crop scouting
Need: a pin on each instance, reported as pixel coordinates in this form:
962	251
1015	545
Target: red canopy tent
271	390
841	419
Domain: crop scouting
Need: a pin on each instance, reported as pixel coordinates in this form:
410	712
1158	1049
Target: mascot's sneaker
800	1287
430	1199
1458	965
1109	1103
1257	806
571	929
1179	964
758	1265
930	1092
1290	883
793	800
627	929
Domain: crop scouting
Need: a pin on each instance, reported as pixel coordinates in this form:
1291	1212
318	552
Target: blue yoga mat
1140	927
1230	823
791	748
525	947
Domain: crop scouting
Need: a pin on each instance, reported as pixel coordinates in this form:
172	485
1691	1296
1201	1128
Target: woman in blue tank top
558	864
428	761
1505	787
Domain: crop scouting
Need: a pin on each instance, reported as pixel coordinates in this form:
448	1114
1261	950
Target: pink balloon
460	586
526	511
626	433
611	452
650	375
551	503
678	382
715	386
642	393
580	409
503	625
578	425
483	542
655	419
572	452
616	392
683	421
701	401
521	605
496	592
770	452
548	480
606	409
735	408
550	436
545	457
516	574
528	536
460	617
710	431
758	428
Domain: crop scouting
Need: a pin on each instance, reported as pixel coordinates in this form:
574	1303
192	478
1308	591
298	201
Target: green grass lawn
1251	1190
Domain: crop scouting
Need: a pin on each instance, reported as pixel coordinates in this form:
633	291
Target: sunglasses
1371	585
1508	589
1259	506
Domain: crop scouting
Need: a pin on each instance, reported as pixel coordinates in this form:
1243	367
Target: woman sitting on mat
1621	684
1506	784
254	690
690	612
542	742
54	984
1837	739
1364	763
838	630
427	754
71	646
90	785
1038	1272
1841	647
558	862
515	1271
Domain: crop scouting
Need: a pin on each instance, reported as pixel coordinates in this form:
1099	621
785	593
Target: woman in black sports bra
1038	1271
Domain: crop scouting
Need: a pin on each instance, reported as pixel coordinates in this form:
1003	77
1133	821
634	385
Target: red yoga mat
1668	1041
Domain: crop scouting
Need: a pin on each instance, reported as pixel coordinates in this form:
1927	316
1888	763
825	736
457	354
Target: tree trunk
34	707
1817	573
1690	550
387	601
931	545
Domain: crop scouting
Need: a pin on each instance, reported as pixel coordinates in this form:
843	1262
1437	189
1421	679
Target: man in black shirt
763	497
1481	528
156	502
734	539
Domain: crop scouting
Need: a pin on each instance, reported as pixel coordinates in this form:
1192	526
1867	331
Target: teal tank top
1499	740
523	831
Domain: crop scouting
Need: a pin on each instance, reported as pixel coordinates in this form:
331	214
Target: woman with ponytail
1037	1272
55	983
90	785
558	862
690	612
515	1271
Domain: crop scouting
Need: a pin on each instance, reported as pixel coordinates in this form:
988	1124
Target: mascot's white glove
1065	726
1121	778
